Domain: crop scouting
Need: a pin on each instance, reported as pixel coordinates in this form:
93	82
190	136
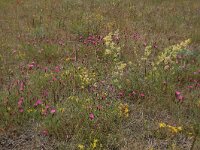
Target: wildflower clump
111	47
119	68
113	51
147	52
94	144
81	146
124	110
85	76
172	129
168	56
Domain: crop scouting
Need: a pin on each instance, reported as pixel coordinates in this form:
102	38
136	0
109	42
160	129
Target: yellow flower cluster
171	128
47	75
93	145
31	110
124	110
73	98
119	68
111	48
147	52
61	110
81	146
86	76
114	51
170	53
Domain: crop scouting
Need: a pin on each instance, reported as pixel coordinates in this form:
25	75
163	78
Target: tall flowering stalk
169	54
114	51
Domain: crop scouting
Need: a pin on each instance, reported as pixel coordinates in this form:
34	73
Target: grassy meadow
100	74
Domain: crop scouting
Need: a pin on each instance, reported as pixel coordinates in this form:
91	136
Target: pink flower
45	69
21	110
190	86
47	107
133	93
54	78
45	132
30	66
121	94
145	43
142	95
155	45
53	111
39	102
177	93
103	97
91	116
33	63
179	96
21	86
20	102
57	69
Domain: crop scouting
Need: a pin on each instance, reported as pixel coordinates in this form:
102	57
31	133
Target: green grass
101	74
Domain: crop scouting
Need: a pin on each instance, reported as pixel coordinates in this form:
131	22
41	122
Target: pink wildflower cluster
91	40
20	102
38	102
136	93
179	96
31	65
91	116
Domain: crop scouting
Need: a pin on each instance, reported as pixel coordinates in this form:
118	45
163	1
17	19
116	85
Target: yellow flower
81	147
124	110
190	133
162	125
30	110
173	129
94	144
170	53
108	52
147	52
180	128
61	110
121	66
67	59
